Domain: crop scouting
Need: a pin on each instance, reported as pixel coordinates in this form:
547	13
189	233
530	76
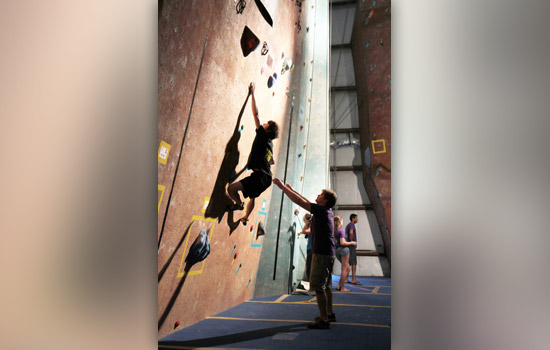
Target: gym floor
363	321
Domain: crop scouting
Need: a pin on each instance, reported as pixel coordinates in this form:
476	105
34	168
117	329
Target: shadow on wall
291	241
169	261
198	251
173	298
217	206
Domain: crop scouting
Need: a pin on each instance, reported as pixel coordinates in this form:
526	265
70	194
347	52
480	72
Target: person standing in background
342	252
351	236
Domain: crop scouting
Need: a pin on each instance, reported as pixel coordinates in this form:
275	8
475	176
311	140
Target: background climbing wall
203	122
371	48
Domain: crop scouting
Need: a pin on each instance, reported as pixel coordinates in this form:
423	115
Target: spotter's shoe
319	324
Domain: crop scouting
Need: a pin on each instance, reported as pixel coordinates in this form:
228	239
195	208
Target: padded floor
363	320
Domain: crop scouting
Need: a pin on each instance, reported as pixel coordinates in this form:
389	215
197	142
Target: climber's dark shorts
255	184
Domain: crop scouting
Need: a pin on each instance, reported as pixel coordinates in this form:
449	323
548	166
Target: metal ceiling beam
346	168
344	131
340	46
365	252
343	88
343	3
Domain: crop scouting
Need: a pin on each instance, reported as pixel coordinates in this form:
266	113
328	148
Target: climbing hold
260	231
301	127
249	41
299	155
381	42
309	100
270	82
287	65
240	6
265	49
371	13
251	228
368	43
307	29
199	249
238	269
296	211
235	246
273	93
268	9
177	324
372	67
248	282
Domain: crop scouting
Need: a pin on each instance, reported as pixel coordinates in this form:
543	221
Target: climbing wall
203	80
282	267
371	48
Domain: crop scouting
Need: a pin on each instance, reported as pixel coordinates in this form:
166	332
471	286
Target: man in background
351	236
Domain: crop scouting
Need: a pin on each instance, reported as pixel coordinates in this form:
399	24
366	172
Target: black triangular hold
260	231
199	250
249	41
265	12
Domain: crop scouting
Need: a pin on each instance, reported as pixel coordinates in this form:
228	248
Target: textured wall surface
190	173
371	48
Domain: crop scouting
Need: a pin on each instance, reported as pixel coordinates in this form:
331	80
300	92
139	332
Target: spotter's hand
278	182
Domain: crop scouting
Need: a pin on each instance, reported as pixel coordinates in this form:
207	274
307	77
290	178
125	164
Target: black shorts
255	184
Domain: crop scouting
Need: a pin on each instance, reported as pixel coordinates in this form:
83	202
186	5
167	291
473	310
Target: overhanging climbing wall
205	67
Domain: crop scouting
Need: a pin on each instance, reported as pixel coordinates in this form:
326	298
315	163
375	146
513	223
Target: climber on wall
259	161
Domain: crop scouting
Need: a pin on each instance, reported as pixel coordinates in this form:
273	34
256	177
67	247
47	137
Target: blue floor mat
363	320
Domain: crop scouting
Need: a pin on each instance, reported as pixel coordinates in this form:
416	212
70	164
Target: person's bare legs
232	194
344	273
353	269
